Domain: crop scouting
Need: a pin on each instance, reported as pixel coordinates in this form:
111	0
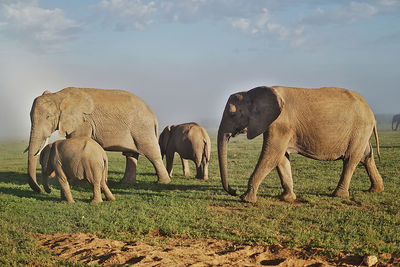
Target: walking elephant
395	119
323	124
191	142
116	119
76	158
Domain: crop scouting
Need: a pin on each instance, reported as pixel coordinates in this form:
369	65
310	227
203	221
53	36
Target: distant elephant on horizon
395	119
191	142
116	119
79	158
324	124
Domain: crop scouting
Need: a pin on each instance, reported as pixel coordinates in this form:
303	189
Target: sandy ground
89	249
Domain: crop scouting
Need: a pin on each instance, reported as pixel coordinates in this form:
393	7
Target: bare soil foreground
89	249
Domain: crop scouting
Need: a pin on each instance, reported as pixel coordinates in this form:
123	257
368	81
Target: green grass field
364	223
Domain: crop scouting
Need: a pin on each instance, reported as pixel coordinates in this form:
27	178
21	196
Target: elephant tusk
43	145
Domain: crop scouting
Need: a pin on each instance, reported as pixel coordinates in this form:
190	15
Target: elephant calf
76	158
190	141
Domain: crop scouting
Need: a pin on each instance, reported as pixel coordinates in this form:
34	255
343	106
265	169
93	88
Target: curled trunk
222	141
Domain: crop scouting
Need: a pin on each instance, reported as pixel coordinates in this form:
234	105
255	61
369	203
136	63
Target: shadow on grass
13	178
153	186
145	188
27	193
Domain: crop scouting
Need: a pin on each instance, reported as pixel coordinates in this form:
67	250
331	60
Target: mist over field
184	58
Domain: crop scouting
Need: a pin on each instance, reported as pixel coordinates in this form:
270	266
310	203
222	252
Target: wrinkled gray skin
76	158
323	124
116	119
395	119
191	142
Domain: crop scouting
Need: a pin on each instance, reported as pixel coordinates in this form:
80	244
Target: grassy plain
364	223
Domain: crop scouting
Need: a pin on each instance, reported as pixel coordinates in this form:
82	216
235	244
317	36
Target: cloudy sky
185	57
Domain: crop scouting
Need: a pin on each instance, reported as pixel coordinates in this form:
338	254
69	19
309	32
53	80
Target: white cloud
126	8
262	19
241	24
44	30
357	10
389	2
129	14
349	13
262	25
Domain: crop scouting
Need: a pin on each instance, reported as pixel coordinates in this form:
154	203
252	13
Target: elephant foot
164	181
111	198
376	188
205	178
128	180
340	193
288	197
96	200
246	197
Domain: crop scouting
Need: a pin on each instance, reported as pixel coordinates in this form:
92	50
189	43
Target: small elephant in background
76	158
395	119
191	142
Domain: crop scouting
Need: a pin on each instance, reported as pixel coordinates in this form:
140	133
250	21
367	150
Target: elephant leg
397	125
185	167
374	176
62	195
96	191
285	174
151	150
349	165
199	171
205	170
272	152
170	161
65	189
130	167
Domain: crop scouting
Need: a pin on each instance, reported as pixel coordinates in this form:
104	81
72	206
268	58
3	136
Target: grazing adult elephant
190	141
116	119
395	119
76	158
323	124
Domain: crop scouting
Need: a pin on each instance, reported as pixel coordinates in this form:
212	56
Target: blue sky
185	57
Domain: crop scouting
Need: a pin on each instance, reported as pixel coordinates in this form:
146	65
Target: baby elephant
190	141
76	158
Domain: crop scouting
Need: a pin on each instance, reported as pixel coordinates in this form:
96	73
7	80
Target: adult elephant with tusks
324	124
116	119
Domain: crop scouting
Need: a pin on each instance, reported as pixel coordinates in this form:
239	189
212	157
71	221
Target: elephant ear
73	107
265	107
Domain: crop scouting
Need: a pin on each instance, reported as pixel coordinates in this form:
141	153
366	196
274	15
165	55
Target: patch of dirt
89	249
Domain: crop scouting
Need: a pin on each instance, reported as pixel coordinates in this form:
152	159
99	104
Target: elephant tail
105	168
377	142
206	151
156	129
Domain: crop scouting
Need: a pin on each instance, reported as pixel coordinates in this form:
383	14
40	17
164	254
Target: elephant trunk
45	181
33	149
223	139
